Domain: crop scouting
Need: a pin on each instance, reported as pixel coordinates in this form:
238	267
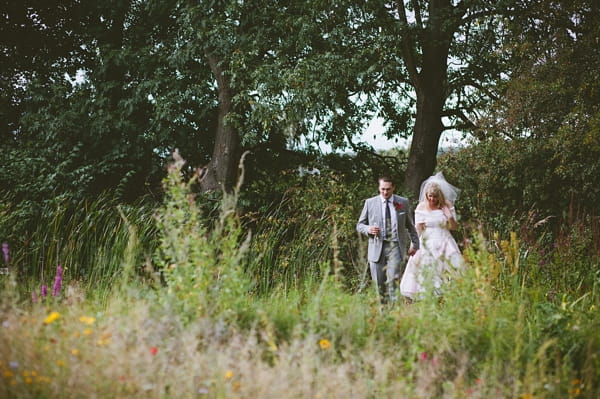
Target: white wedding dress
437	258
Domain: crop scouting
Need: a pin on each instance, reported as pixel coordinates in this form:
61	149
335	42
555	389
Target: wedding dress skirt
437	258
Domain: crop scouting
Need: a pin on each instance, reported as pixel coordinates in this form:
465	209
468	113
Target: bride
439	254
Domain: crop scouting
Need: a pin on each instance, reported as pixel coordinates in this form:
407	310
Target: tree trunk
221	171
430	85
422	157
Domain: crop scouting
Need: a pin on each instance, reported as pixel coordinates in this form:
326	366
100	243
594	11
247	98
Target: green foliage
202	264
508	183
516	322
90	239
314	222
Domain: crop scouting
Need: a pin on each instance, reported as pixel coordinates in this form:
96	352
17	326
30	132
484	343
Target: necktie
388	221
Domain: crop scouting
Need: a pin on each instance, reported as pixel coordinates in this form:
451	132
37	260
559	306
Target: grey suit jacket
371	215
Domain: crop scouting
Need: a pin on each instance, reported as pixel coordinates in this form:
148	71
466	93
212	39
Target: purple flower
57	281
44	293
33	297
5	252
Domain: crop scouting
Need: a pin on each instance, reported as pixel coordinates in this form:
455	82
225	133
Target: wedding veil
450	192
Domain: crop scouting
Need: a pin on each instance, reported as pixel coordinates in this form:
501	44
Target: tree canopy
95	96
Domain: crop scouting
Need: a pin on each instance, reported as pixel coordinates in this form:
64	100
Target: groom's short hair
385	179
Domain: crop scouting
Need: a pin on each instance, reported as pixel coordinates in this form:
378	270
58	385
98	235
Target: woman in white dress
439	255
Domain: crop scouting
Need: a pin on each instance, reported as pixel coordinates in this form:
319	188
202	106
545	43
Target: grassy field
191	313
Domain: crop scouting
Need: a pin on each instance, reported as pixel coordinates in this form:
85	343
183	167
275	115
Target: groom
386	219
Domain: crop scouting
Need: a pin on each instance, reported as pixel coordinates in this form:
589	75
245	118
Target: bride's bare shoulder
421	206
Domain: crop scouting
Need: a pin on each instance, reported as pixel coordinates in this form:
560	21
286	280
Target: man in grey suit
387	221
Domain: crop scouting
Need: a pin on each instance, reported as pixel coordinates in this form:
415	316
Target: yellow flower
75	351
229	375
52	317
8	374
104	339
28	380
60	363
87	320
527	396
325	344
87	331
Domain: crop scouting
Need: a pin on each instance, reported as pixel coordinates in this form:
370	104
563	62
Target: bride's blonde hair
435	189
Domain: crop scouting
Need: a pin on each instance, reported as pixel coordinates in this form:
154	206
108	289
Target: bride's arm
452	223
419	224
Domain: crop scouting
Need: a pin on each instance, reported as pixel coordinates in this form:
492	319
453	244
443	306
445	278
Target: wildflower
60	363
52	317
8	374
87	331
104	339
576	390
153	350
325	344
87	320
228	375
423	356
57	281
13	364
33	297
75	352
6	253
5	324
44	291
527	396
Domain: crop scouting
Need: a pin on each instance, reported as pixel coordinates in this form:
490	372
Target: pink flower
44	292
57	281
5	252
153	350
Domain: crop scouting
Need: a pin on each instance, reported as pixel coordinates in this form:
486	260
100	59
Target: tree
450	53
114	128
435	62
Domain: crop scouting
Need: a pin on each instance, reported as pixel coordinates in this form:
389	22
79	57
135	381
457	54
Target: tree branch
467	123
408	46
418	17
388	160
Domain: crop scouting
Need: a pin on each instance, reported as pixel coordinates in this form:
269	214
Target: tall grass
498	331
88	239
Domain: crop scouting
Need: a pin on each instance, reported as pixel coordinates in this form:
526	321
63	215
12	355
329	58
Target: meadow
170	303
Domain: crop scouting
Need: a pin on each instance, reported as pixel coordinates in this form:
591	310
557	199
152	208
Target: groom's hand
374	230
